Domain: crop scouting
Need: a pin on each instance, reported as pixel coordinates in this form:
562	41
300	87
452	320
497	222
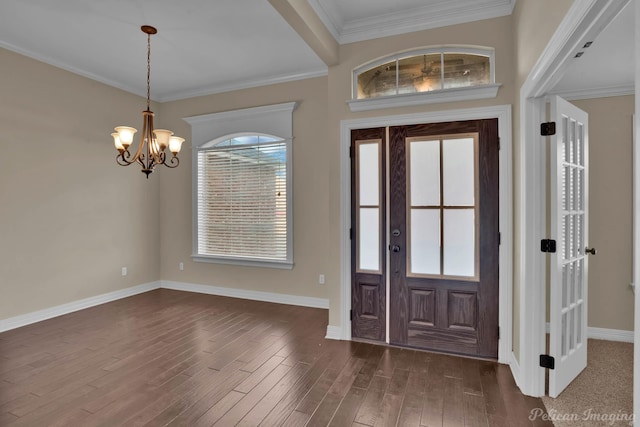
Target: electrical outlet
124	271
181	266
321	279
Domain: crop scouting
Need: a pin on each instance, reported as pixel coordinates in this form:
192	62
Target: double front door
425	236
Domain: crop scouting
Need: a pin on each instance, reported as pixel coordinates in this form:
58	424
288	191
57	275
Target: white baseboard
334	333
515	369
247	294
610	334
606	334
48	313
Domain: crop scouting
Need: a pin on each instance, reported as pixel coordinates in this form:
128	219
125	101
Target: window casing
242	187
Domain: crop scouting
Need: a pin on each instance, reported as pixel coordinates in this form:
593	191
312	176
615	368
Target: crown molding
247	84
417	19
599	92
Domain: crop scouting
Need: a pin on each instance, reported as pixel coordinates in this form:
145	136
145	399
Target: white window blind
242	200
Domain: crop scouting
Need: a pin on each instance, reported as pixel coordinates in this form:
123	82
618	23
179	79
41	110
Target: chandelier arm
121	159
154	148
173	163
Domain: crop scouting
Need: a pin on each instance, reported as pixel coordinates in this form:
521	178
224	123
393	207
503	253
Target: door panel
444	203
569	224
368	219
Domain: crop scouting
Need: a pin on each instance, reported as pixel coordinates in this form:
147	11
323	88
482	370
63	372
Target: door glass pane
369	174
572	336
564	335
458	172
565	192
566	278
565	139
572	274
425	241
580	137
579	277
369	239
459	242
577	184
567	236
579	324
424	167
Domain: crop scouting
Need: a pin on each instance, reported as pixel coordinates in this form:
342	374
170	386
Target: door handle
394	248
591	251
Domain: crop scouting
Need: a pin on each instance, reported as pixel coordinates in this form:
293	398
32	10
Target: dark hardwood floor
177	358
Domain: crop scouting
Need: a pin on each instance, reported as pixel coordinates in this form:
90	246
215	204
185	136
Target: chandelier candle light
153	142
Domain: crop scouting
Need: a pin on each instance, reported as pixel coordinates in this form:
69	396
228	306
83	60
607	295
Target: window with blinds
242	203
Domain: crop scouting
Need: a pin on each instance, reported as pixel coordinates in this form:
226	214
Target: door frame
583	22
503	114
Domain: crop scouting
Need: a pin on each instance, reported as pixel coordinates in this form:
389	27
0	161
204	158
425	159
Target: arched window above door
425	76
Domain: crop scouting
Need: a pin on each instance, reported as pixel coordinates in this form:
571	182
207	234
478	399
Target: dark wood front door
443	264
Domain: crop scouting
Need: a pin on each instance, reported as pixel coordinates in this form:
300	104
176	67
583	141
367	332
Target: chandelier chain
148	70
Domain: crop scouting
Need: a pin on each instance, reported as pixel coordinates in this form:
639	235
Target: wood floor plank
296	419
235	414
182	359
327	408
471	381
474	411
296	393
413	402
273	397
217	411
348	408
453	407
369	410
190	401
389	411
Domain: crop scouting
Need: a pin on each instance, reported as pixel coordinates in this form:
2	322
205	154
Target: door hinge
351	315
350	151
547	361
548	245
351	234
499	145
498	332
499	239
548	129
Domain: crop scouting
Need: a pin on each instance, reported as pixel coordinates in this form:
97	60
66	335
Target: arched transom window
435	71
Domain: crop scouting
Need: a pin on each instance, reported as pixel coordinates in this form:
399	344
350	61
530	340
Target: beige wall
310	197
534	22
70	217
610	196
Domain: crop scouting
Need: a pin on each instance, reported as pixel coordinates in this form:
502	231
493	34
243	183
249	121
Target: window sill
247	262
422	98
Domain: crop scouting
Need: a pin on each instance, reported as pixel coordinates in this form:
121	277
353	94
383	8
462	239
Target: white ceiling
605	67
210	46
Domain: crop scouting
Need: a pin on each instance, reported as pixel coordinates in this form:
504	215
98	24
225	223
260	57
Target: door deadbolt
394	248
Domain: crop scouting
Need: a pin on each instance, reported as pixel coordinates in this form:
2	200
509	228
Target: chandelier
153	142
